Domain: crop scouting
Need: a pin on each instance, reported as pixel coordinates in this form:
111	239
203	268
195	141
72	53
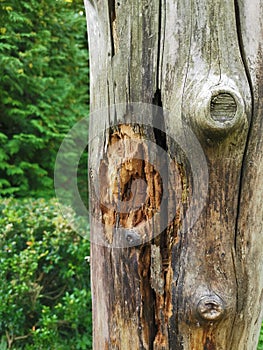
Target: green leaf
14	170
13	146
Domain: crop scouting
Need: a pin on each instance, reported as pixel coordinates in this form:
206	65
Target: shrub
44	278
260	343
44	89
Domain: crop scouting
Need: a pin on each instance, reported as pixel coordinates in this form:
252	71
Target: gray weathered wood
197	285
250	220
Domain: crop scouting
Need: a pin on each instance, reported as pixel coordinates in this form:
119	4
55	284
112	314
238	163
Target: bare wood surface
197	285
249	235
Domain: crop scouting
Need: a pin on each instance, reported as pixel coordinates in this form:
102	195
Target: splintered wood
130	186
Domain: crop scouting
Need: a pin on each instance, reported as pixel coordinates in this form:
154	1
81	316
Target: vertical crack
158	119
188	58
243	166
159	45
162	21
112	18
161	331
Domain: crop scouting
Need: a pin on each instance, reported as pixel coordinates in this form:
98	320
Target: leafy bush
44	279
260	343
44	89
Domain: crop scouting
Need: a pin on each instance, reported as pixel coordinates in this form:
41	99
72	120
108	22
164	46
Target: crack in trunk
244	60
112	19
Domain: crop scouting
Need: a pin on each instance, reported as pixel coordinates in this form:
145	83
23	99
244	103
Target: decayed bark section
130	191
192	286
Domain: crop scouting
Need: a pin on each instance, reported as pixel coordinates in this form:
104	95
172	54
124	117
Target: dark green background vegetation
44	89
45	300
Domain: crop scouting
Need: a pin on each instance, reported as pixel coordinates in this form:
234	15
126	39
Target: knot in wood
217	110
132	238
210	308
223	107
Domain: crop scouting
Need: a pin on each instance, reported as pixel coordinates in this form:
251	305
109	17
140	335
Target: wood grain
198	284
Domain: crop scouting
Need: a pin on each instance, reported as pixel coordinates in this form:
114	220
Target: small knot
211	308
223	107
218	110
132	238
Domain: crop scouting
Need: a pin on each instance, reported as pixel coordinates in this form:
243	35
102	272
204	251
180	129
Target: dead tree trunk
176	173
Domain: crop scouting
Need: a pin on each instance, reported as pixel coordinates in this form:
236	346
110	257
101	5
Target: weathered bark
198	284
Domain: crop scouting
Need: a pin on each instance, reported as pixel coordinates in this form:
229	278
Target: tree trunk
176	173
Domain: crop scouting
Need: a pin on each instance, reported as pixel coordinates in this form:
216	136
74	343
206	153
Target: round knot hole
223	107
211	308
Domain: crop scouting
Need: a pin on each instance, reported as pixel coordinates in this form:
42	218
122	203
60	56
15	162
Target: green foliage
260	343
44	89
44	278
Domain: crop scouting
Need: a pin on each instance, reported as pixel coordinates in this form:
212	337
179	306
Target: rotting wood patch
130	190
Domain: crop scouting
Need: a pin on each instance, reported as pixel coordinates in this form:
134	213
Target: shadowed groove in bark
146	312
244	60
240	284
158	118
112	18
